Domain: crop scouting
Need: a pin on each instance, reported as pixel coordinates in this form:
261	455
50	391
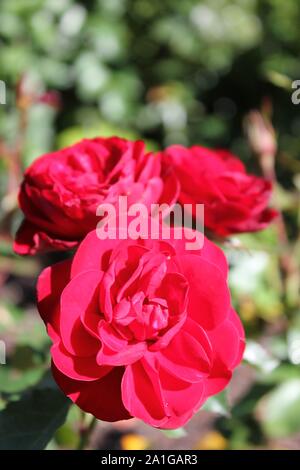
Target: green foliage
280	409
30	422
131	62
175	433
218	404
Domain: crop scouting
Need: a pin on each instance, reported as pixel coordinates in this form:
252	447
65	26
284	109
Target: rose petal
189	354
92	254
209	297
116	351
75	367
142	395
101	397
30	240
50	285
79	296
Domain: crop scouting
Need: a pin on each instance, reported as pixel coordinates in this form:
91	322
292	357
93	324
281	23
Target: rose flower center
141	318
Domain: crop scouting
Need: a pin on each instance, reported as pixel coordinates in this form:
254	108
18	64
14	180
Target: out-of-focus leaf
265	239
5	248
281	374
14	380
279	79
293	341
279	411
247	269
31	422
255	282
218	404
67	437
175	433
18	266
37	143
72	135
92	76
104	129
259	357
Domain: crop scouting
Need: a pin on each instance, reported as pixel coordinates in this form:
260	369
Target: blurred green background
185	71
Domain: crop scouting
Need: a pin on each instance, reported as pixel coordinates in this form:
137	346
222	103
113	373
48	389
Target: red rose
234	201
62	190
141	328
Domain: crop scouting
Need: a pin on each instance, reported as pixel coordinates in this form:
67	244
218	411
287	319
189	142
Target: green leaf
74	134
15	381
260	358
175	433
67	437
279	411
281	374
293	341
38	143
30	423
218	404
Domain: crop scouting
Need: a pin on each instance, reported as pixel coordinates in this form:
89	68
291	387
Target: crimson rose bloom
234	201
141	328
62	190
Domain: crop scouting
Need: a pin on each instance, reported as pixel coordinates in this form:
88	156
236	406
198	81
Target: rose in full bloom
141	328
234	201
62	190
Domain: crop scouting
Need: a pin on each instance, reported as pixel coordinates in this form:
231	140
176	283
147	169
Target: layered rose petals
141	328
61	191
234	200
